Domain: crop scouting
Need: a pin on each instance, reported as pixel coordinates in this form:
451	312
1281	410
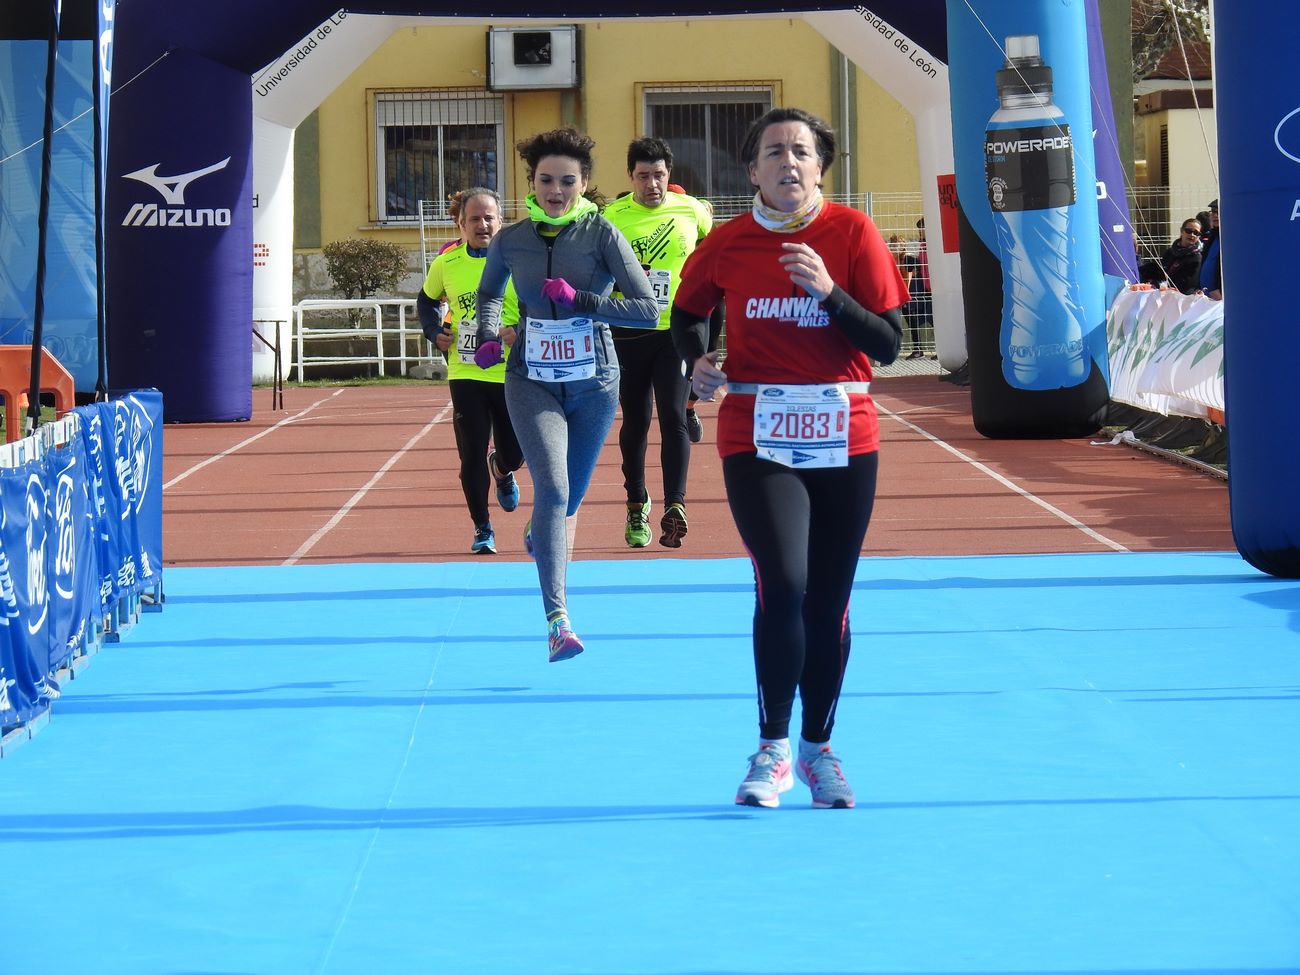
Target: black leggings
804	531
479	414
648	363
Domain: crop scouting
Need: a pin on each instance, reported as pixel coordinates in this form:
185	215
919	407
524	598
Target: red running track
369	474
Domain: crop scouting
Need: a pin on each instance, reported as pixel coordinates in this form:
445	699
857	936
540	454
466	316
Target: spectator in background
1203	218
908	268
1182	261
921	307
1211	270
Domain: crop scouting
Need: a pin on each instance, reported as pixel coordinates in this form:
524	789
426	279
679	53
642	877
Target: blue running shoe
485	540
768	777
507	486
564	643
819	769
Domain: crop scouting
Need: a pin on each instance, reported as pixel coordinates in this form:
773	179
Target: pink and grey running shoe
564	643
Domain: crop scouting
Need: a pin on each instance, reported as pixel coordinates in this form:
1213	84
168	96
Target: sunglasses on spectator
1195	231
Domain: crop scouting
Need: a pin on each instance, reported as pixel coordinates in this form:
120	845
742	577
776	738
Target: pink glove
559	291
488	354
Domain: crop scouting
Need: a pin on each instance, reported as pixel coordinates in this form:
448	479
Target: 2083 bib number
806	426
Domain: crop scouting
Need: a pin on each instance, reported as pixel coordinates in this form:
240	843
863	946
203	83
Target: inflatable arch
185	134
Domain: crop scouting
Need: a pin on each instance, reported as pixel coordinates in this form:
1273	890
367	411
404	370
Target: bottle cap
1024	71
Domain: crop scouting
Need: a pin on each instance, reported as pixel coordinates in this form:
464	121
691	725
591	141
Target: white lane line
244	443
1068	519
353	501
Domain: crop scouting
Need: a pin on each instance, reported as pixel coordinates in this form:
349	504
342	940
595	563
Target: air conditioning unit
526	58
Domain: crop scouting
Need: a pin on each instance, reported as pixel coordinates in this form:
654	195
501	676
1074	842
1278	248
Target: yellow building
431	112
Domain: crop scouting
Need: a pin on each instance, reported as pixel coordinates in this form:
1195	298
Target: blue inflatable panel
180	237
1259	206
1031	257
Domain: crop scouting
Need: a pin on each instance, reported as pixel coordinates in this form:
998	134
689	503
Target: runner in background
812	296
562	379
478	399
663	226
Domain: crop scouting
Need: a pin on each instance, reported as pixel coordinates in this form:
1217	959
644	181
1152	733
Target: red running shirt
776	332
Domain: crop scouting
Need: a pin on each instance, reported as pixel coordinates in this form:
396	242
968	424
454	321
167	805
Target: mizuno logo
172	188
152	215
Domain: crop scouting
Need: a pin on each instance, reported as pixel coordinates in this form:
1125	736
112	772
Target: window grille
705	125
431	143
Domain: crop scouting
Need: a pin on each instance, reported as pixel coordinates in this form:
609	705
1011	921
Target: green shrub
361	267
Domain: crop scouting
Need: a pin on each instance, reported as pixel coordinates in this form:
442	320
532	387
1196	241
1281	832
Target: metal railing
390	334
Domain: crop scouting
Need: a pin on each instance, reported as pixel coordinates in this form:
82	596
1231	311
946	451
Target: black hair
649	150
567	141
823	134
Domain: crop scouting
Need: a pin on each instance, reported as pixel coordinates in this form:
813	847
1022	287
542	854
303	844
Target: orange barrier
16	380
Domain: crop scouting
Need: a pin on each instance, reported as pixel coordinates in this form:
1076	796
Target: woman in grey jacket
562	378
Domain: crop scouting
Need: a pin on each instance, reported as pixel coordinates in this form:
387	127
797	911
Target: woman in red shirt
812	295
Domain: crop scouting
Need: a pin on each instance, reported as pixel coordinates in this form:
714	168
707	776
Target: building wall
337	158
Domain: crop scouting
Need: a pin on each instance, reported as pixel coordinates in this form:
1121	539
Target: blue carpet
1073	764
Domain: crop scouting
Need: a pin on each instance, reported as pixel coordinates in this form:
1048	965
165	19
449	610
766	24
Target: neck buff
781	222
580	209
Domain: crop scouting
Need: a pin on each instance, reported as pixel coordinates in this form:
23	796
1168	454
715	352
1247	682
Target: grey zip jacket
593	257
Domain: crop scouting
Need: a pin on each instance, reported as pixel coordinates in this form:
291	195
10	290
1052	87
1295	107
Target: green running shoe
637	533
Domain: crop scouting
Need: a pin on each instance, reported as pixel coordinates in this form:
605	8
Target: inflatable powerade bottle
1029	164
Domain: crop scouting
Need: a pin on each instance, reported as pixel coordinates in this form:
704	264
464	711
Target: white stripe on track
353	501
244	443
1068	519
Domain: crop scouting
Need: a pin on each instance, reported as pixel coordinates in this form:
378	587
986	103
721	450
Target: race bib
802	426
560	350
661	283
467	341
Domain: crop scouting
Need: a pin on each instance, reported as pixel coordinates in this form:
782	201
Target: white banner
1166	352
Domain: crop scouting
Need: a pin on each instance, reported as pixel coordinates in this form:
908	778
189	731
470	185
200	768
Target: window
432	143
705	127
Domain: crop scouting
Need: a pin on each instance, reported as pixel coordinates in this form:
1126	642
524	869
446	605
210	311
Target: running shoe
694	428
507	486
485	540
637	533
673	526
564	643
819	769
768	776
528	539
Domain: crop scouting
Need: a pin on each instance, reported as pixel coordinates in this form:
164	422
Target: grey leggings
561	428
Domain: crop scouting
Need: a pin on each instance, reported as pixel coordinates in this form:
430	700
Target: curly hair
567	141
822	133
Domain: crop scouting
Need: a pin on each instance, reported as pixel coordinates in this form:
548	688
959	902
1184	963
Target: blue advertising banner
24	598
80	530
1027	207
101	484
137	425
71	292
73	566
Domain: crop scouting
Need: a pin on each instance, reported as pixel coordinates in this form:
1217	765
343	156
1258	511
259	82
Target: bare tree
1157	25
